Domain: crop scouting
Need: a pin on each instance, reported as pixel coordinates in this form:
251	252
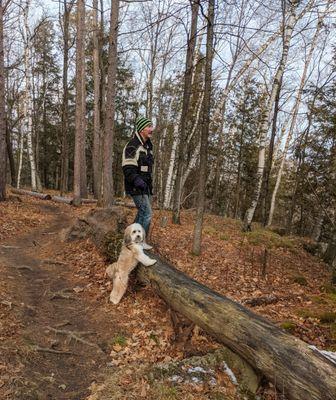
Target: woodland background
242	95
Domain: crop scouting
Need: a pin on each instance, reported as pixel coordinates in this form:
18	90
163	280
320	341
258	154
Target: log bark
294	368
105	226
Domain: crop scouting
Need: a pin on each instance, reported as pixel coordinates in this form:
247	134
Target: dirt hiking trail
62	343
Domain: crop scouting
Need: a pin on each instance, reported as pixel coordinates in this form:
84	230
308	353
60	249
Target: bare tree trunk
172	161
102	102
268	166
80	189
279	141
237	191
267	116
152	72
3	152
330	255
18	180
205	131
28	99
10	156
185	108
294	117
96	153
64	185
195	154
318	226
159	165
110	107
159	139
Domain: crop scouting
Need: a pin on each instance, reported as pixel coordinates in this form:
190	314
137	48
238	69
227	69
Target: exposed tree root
62	294
53	351
76	336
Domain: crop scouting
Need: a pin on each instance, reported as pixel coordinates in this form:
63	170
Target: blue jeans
144	215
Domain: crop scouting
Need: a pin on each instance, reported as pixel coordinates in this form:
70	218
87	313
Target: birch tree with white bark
289	22
295	110
3	150
189	65
28	101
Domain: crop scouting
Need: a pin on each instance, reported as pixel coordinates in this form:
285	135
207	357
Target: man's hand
140	183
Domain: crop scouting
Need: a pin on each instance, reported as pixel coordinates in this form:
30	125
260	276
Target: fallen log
42	196
60	199
89	201
297	370
70	200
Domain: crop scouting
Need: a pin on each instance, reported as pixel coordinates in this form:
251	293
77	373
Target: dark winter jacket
137	164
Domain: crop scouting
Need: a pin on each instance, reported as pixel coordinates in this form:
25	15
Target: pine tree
46	121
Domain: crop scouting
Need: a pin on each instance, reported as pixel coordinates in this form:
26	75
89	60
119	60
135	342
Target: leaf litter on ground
232	263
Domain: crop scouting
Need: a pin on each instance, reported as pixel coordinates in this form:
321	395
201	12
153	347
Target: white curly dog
132	252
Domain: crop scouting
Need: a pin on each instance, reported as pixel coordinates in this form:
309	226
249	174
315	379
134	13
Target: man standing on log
137	164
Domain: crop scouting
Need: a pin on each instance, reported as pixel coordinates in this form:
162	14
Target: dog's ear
127	235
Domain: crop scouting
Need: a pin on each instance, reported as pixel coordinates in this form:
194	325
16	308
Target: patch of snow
327	354
176	378
201	370
230	373
195	379
213	381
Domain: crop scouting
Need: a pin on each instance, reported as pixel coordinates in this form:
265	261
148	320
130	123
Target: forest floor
60	338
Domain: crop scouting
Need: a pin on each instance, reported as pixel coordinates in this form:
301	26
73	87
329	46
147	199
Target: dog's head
134	233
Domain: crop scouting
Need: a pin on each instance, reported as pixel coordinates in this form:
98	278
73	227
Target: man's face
146	133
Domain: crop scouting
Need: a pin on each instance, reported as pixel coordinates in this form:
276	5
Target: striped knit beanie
141	123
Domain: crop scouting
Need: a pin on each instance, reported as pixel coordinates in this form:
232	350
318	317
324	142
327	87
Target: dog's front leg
142	257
